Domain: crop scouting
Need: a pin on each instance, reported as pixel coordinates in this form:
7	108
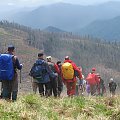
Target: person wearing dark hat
35	82
10	87
41	80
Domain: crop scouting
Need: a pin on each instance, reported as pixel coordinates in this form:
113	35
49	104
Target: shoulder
15	57
45	63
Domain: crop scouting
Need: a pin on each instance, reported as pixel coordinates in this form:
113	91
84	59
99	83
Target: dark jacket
47	73
112	86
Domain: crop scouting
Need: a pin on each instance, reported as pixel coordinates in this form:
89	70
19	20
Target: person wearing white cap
53	77
112	87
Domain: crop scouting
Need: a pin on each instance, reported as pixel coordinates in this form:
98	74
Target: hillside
104	29
25	53
65	16
84	51
34	107
52	29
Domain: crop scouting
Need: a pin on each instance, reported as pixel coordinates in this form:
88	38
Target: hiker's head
98	75
40	55
83	76
111	79
49	58
11	48
67	58
58	62
93	69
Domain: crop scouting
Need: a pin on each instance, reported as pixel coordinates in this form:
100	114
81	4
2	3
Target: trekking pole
20	77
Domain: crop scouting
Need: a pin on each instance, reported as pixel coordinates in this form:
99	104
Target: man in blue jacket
42	78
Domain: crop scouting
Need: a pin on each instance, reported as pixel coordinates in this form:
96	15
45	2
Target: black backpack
113	86
38	71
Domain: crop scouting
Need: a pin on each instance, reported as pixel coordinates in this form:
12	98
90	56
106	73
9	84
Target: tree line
86	51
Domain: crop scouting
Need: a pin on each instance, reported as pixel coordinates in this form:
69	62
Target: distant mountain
68	17
52	29
106	29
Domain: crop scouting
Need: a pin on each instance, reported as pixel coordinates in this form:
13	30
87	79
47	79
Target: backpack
113	86
6	67
52	66
38	71
67	71
91	79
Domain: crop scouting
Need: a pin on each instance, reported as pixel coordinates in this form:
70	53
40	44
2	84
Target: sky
30	3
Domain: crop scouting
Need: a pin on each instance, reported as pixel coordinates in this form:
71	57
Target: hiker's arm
97	79
18	65
57	69
77	69
49	71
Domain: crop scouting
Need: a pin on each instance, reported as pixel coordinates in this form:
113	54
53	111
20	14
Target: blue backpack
38	71
6	67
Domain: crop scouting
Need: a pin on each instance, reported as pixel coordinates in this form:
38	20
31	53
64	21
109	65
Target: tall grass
34	107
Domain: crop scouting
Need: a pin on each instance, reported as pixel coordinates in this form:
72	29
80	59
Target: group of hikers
49	77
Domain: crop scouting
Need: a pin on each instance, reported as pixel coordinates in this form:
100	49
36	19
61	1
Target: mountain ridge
104	29
67	16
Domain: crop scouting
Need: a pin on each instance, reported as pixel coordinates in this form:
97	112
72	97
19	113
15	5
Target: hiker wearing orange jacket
71	83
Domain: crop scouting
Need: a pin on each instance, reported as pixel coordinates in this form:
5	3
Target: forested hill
105	29
85	51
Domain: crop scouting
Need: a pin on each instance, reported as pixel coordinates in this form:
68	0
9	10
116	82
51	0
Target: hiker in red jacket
71	83
93	81
59	79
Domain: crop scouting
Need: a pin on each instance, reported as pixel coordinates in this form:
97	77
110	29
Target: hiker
112	87
78	82
77	86
88	88
83	84
10	87
40	72
60	82
53	79
101	86
68	75
93	81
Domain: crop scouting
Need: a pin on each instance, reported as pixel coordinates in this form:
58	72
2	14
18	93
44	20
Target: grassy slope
34	107
31	107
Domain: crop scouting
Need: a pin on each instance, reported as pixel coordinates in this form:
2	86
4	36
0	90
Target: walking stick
20	77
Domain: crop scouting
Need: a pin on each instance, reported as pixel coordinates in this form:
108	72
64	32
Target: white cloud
43	2
10	4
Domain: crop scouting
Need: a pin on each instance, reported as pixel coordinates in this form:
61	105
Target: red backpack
91	79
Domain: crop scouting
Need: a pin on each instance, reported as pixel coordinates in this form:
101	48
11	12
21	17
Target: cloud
43	2
10	4
27	2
